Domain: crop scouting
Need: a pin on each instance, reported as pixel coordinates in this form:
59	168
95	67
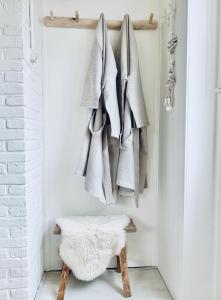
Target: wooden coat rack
76	22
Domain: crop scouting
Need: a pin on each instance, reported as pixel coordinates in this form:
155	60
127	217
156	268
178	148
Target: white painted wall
66	56
217	250
171	158
33	145
189	160
21	216
199	205
188	225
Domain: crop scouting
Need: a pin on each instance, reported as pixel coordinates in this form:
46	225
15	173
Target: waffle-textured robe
99	157
131	173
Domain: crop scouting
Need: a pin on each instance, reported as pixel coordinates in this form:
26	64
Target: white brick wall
20	157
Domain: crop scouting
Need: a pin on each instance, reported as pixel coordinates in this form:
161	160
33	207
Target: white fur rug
89	243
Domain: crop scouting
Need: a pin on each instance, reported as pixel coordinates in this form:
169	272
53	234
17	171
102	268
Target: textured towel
131	174
103	125
89	243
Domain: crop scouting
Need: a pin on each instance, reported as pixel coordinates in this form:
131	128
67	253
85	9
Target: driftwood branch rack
77	22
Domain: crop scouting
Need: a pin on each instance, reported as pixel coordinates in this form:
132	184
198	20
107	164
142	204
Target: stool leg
63	282
118	265
124	273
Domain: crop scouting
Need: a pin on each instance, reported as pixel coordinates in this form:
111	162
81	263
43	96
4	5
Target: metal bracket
217	90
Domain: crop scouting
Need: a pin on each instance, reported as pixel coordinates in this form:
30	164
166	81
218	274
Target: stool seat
122	266
131	227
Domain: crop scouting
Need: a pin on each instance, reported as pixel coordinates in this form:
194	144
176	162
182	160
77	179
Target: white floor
145	283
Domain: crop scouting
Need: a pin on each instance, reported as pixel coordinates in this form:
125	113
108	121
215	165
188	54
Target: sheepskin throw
89	243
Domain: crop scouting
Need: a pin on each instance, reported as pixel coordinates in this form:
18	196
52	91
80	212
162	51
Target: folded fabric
131	173
89	243
103	124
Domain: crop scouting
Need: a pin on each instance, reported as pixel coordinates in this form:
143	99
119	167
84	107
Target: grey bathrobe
99	157
131	174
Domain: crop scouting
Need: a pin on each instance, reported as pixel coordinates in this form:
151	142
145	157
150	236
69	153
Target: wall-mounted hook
33	57
151	18
77	16
51	15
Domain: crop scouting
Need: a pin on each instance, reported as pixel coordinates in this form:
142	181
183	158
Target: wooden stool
122	267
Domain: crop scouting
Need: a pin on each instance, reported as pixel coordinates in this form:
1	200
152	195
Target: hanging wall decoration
169	19
171	82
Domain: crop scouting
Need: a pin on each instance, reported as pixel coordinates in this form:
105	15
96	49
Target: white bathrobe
100	151
131	174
